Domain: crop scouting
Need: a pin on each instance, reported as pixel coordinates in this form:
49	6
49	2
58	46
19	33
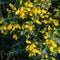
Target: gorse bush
31	29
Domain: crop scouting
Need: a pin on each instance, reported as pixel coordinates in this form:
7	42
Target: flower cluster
37	24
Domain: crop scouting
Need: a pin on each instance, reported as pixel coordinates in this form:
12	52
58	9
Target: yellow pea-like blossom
51	49
17	26
26	26
32	54
35	0
17	12
22	15
1	21
56	32
56	10
28	42
28	9
29	27
39	11
4	27
30	14
53	58
9	27
46	55
58	50
54	45
47	41
52	41
12	6
32	46
49	27
36	51
35	11
45	21
21	1
46	16
55	22
15	37
9	11
29	4
45	37
43	11
38	22
27	47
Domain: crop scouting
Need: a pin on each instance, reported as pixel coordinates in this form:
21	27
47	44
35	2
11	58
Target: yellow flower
47	41
56	10
17	12
28	9
38	22
32	18
46	55
39	11
49	28
32	46
30	4
35	10
26	26
4	27
35	0
45	37
53	43
1	21
9	27
9	11
32	54
51	49
43	11
45	21
27	47
42	59
27	41
43	16
36	51
21	2
29	27
56	32
58	50
46	16
49	4
17	26
56	23
31	14
12	6
22	15
15	37
13	28
53	58
4	32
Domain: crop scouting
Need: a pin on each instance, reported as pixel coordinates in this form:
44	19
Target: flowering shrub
34	25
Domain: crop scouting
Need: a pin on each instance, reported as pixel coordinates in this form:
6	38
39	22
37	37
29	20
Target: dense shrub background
27	33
